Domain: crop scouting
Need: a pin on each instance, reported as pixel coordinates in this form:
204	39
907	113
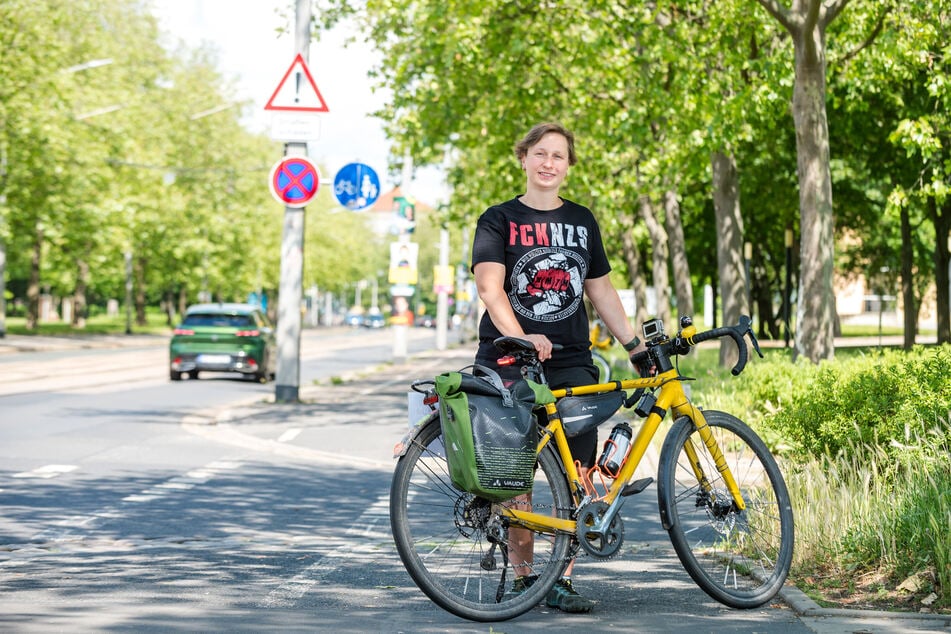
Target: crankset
604	543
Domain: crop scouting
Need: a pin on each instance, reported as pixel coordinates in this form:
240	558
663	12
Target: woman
534	258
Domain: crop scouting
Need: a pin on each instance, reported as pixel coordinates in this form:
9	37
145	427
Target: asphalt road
130	503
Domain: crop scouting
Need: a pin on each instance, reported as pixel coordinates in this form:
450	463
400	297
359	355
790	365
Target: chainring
602	545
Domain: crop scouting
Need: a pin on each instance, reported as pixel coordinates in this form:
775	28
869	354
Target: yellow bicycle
722	497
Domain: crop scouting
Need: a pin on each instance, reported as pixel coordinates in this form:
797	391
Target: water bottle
615	450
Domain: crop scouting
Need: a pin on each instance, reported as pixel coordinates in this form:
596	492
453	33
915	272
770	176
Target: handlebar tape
736	333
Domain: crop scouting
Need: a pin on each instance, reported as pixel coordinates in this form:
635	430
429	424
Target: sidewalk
386	386
10	344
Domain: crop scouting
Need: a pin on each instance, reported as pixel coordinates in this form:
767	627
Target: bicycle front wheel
740	558
456	546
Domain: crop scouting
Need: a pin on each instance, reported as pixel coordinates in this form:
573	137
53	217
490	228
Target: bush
882	398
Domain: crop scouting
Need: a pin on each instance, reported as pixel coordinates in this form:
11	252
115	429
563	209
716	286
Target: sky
250	51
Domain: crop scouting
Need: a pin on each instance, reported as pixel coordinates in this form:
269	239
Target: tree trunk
33	286
730	265
660	256
807	22
815	316
138	268
182	300
79	295
678	254
942	275
169	308
907	286
633	259
3	281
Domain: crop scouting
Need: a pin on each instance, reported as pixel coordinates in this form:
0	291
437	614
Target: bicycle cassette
602	544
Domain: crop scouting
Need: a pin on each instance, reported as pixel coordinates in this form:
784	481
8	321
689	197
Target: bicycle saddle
511	345
516	346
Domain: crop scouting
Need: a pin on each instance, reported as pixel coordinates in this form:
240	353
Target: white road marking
47	471
63	531
289	435
292	590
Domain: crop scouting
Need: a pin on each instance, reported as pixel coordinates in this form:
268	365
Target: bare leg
521	540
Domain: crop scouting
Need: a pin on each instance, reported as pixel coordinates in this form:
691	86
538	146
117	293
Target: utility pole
442	299
290	294
401	330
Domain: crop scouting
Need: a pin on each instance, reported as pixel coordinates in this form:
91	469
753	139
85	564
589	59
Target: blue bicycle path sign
356	186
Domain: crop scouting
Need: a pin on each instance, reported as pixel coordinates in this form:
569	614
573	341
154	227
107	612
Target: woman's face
546	163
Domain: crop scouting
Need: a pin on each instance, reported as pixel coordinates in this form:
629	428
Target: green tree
807	22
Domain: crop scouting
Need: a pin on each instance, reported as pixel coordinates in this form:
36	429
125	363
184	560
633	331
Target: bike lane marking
291	591
65	530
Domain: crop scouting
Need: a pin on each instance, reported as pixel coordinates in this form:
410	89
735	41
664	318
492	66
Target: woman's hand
542	345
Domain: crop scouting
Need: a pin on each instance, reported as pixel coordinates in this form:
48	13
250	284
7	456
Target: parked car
426	321
223	338
374	320
354	319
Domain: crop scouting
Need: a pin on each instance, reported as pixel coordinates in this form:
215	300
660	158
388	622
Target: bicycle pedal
636	487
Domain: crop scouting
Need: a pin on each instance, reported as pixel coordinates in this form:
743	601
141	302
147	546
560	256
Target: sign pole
442	297
290	294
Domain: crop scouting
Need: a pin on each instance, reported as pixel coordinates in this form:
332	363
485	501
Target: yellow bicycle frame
671	397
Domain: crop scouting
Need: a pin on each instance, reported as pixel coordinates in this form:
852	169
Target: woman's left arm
605	299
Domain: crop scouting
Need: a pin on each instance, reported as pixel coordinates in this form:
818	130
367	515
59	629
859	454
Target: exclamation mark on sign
297	90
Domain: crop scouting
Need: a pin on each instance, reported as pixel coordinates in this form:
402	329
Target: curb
803	605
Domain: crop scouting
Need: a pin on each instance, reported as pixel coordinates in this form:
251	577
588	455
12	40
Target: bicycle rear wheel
455	545
603	366
739	558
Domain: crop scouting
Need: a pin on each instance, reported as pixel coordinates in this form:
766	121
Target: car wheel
193	375
175	376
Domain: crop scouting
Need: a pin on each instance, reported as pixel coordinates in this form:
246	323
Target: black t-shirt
547	256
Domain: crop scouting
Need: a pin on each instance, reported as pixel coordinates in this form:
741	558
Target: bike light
506	360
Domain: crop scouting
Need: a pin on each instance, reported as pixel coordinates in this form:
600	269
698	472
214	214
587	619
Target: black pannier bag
489	431
580	414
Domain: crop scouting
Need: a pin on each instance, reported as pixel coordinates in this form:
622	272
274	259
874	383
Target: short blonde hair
538	131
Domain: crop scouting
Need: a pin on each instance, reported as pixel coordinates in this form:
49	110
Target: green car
223	338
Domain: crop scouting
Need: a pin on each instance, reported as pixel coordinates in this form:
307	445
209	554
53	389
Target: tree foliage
112	145
654	90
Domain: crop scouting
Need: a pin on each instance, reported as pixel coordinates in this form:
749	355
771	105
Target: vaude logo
505	483
588	408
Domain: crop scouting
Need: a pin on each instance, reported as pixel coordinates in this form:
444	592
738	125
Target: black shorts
584	447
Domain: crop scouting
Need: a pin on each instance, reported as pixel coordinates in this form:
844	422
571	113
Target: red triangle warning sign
297	91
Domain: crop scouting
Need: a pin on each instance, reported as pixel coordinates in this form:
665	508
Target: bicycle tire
741	559
603	366
442	534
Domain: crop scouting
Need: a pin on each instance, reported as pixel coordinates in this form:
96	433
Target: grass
867	519
865	524
95	325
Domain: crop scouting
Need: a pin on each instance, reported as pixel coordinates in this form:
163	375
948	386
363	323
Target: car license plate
214	359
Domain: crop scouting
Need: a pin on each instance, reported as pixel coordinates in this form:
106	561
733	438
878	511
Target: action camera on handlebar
653	328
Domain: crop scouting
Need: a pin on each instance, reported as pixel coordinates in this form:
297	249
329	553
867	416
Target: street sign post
294	182
356	186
